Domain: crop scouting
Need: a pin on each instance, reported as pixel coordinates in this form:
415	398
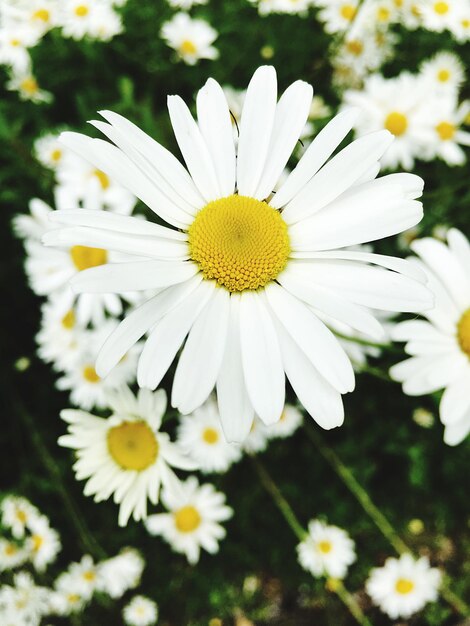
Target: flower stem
366	342
335	585
376	515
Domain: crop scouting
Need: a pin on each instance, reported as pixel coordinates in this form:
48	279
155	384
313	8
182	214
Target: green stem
335	585
88	542
376	515
365	342
374	371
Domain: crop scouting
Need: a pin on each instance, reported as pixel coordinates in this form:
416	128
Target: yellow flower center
441	8
465	23
463	332
90	375
21	515
324	546
81	10
445	130
15	42
103	178
73	598
396	123
41	14
84	257
89	575
383	14
188	47
68	321
187	519
10	549
240	242
133	445
348	11
210	435
29	85
404	586
37	542
355	47
443	75
56	155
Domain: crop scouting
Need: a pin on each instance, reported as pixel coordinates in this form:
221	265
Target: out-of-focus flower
326	551
140	611
192	39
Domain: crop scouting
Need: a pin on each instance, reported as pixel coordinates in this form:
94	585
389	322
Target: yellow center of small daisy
10	549
21	515
56	155
15	42
404	586
133	445
84	257
103	178
68	321
240	242
383	14
463	332
37	542
443	75
41	14
90	375
324	546
210	435
441	8
81	10
396	123
187	519
188	47
29	85
445	130
89	575
354	47
348	11
73	597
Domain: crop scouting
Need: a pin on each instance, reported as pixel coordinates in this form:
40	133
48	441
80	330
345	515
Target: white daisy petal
455	402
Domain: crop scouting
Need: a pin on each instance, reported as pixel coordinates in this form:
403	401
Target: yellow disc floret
240	242
445	130
90	375
210	435
396	123
84	257
188	47
404	586
463	332
324	546
133	445
187	519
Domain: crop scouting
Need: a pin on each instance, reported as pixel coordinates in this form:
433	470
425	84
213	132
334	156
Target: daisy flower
460	25
14	43
125	455
243	271
43	545
11	554
338	15
120	573
438	15
446	134
290	420
41	15
85	575
17	514
326	551
140	611
49	151
67	598
192	39
28	88
193	520
25	602
445	72
440	346
201	437
89	18
403	586
32	226
257	438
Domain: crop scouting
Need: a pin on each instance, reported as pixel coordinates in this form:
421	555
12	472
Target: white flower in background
32	226
257	439
11	554
460	26
43	544
89	18
185	4
201	437
49	151
192	39
439	15
125	455
290	420
403	586
193	520
338	15
85	576
410	14
440	346
362	54
17	514
293	7
87	388
60	336
14	43
67	598
140	611
444	71
377	14
326	551
120	573
446	134
28	88
401	105
25	603
39	15
275	270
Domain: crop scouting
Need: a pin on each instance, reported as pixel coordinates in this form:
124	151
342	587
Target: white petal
455	402
236	411
416	329
321	148
200	360
261	358
168	335
255	129
291	115
456	433
216	127
312	336
460	247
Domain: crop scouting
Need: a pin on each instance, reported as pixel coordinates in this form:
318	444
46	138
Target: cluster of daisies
24	23
28	544
400	588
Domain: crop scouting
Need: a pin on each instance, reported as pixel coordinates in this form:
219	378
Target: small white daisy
290	420
257	439
14	43
140	611
43	544
28	88
403	586
125	455
85	575
67	598
32	226
40	15
49	151
446	135
192	39
120	573
444	71
17	514
326	551
337	15
201	437
11	554
25	603
89	18
439	15
440	346
193	519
